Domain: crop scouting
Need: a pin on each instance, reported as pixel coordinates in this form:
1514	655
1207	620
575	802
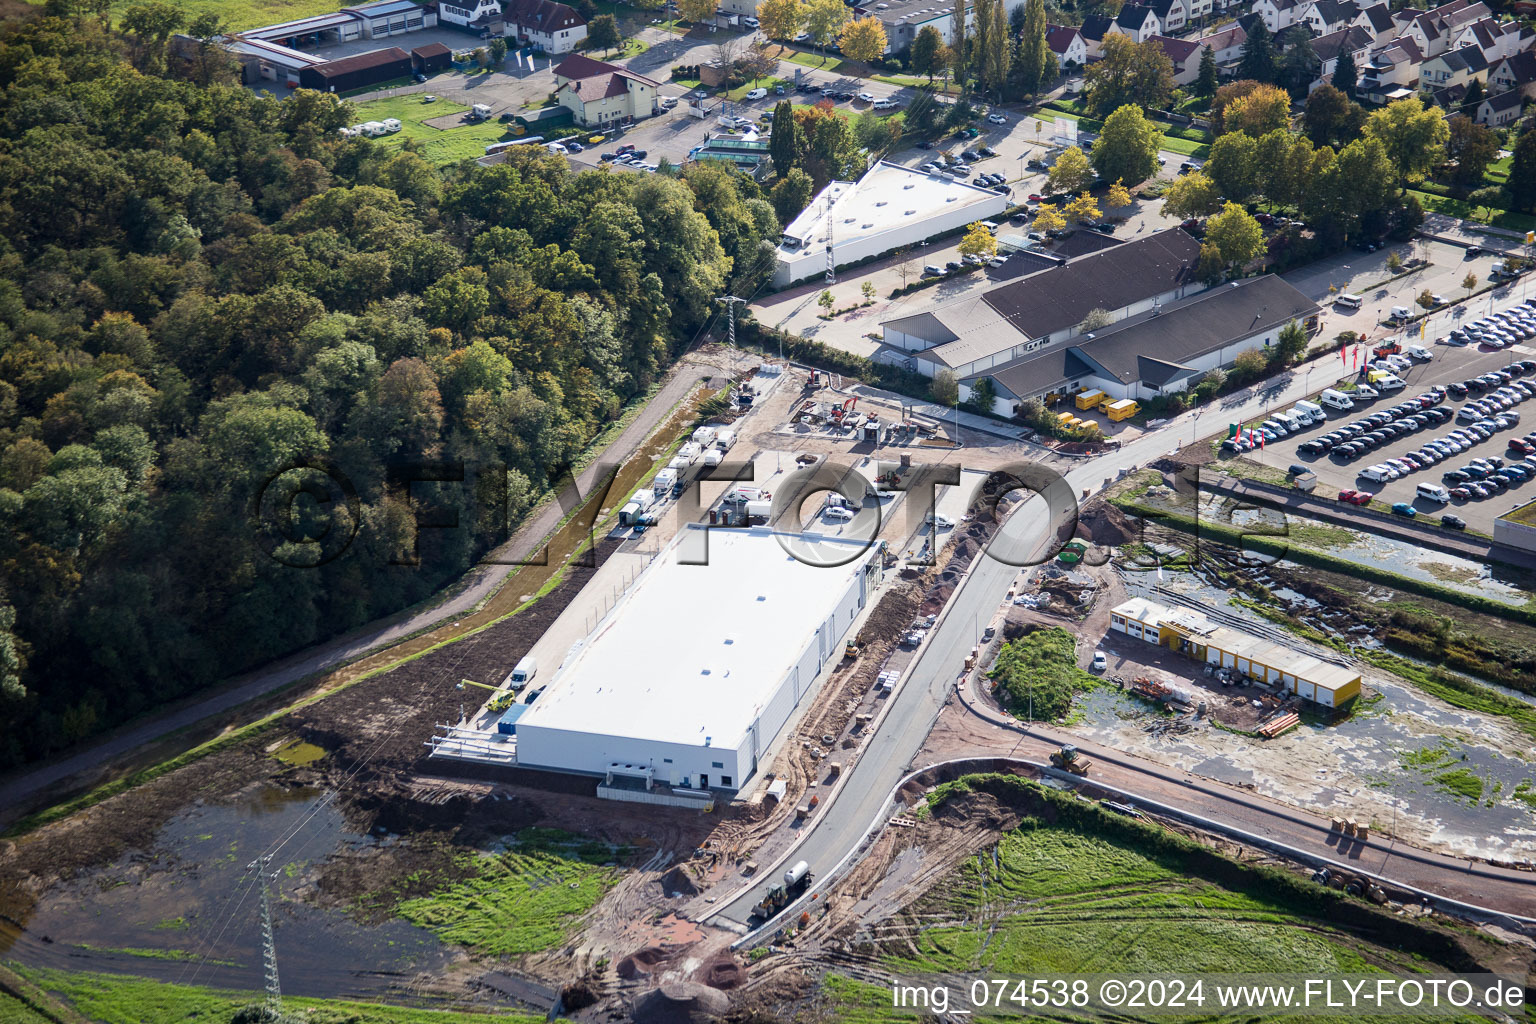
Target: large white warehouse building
691	676
890	207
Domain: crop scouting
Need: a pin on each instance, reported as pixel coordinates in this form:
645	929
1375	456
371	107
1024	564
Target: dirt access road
55	780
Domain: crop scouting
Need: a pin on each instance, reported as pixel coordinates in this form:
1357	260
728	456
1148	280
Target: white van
1313	410
1334	399
1390	382
1434	492
1289	420
1419	352
1347	301
523	674
1401	312
1375	474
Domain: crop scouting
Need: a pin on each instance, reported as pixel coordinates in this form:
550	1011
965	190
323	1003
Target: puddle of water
299	753
189	895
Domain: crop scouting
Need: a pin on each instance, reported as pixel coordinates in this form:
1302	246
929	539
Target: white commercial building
890	207
690	677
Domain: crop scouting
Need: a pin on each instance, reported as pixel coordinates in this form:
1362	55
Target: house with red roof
598	93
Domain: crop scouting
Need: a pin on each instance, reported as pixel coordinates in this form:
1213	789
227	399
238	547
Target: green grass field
1458	208
14	1011
520	901
439	146
131	1000
1076	900
239	15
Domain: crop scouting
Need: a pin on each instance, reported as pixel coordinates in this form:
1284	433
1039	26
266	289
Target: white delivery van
1313	410
1401	312
523	674
1347	301
1419	352
1434	492
1289	421
1389	382
1335	399
1375	474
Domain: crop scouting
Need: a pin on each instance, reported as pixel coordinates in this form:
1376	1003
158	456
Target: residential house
1226	44
475	15
1198	10
1377	20
1325	16
597	93
1185	55
1279	15
1452	68
1138	22
1068	45
1497	111
1172	15
1093	30
544	24
1392	73
1353	40
1514	74
1496	39
1435	30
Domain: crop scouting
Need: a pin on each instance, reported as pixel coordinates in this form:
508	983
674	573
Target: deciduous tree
824	19
1263	109
1128	72
1413	137
1082	209
1330	118
1118	196
1522	172
1236	236
1233	165
864	40
978	241
1048	218
1036	63
1070	172
781	19
1127	146
1192	195
603	33
925	47
1471	147
697	10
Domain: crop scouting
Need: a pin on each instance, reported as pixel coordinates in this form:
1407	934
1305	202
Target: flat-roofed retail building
690	677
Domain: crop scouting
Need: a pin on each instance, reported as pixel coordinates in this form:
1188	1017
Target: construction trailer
1329	683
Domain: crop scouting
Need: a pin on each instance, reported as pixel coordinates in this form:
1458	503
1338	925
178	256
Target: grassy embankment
1075	889
438	145
525	899
1039	670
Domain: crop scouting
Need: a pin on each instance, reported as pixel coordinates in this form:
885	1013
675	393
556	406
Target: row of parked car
1501	329
1373	430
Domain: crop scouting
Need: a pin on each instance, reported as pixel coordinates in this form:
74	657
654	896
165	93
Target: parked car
1355	497
1451	522
997	119
1402	508
756	94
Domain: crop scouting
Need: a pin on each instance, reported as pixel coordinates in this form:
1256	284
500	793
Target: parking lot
1451	364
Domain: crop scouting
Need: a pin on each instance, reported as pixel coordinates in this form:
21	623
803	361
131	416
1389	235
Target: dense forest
201	287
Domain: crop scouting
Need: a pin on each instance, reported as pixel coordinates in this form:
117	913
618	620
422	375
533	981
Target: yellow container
1089	399
1122	409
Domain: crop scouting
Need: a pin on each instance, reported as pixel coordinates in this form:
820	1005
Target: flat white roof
889	195
695	651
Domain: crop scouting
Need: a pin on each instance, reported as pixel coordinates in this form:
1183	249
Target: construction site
415	838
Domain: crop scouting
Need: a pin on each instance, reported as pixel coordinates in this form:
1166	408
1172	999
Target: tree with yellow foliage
978	241
863	40
781	19
1048	218
1083	208
1118	195
697	11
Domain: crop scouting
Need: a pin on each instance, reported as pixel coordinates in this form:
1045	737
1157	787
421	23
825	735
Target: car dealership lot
1451	364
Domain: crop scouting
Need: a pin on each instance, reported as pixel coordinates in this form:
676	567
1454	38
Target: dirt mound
1106	525
723	971
642	962
680	1003
579	995
678	882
